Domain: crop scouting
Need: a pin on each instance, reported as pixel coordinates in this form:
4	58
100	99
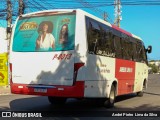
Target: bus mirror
149	49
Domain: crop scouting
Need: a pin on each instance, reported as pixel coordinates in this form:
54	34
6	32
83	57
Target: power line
36	5
99	11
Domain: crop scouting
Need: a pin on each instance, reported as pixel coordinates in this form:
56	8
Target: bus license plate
41	90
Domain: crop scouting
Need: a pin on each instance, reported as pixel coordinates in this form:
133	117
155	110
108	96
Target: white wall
3	41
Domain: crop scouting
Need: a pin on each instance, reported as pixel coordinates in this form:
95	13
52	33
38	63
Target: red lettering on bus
55	56
62	56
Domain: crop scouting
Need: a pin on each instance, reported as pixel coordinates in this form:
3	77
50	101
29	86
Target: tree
154	68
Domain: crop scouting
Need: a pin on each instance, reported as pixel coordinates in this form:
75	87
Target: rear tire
111	100
140	94
58	101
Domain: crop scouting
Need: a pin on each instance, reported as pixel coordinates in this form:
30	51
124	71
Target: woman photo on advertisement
45	40
63	36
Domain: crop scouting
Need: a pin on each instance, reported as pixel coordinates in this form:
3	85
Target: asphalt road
87	108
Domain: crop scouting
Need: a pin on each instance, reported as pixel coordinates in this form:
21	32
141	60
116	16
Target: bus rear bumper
76	91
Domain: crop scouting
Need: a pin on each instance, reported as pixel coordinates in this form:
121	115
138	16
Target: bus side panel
97	88
125	73
98	71
48	70
80	39
99	75
140	75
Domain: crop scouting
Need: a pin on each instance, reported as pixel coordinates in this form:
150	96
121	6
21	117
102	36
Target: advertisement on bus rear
44	33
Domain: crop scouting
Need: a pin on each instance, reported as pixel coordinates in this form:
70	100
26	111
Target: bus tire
111	100
57	100
140	94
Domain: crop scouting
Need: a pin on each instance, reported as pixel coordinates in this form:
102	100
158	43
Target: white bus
73	54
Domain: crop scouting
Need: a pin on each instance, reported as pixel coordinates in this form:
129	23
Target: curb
5	90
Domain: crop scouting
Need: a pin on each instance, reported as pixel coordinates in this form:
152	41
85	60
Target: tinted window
100	38
105	41
118	47
127	48
141	55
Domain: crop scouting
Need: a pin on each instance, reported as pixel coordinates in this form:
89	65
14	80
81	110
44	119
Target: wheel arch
115	83
144	84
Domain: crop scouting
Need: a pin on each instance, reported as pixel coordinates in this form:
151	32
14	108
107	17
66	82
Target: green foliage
152	61
154	68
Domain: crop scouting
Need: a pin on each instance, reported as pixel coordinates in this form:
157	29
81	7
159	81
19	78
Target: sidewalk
5	90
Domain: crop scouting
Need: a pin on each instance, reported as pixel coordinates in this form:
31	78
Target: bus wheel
111	100
140	94
57	100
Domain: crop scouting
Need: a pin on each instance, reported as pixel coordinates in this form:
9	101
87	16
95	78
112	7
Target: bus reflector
10	72
10	67
76	68
20	86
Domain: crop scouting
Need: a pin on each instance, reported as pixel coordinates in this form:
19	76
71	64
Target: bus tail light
76	68
10	72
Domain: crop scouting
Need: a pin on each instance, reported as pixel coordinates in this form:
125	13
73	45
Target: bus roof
56	11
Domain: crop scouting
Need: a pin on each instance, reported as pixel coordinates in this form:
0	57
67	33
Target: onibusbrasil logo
21	114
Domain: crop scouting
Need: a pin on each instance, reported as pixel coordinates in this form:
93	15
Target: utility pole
9	28
9	20
118	11
21	7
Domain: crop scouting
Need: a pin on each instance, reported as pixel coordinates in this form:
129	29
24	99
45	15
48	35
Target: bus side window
110	50
105	46
138	50
105	41
112	44
127	49
144	54
92	36
134	51
141	55
131	51
124	49
101	40
118	47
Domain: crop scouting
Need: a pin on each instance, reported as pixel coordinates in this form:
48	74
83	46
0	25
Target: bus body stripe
59	91
121	30
125	73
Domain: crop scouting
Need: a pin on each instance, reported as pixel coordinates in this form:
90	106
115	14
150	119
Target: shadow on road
42	104
73	107
152	93
125	97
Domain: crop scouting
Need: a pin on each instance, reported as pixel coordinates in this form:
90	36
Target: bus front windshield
44	33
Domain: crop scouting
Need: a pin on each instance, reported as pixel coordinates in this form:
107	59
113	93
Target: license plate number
41	90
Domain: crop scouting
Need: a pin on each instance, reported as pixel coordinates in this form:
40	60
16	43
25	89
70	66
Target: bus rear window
45	33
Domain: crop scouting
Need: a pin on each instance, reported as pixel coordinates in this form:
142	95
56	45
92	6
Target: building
155	62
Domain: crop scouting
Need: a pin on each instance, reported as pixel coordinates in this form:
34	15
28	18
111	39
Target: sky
141	20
